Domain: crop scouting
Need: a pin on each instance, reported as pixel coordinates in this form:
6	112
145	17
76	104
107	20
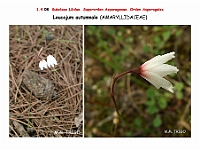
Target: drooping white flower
51	61
43	64
154	70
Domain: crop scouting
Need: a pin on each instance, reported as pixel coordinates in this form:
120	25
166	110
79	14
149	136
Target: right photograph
137	81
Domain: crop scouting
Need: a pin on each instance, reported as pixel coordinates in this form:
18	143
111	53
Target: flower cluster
154	70
51	61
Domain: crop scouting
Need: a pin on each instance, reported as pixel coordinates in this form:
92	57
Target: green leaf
128	40
112	31
146	49
152	109
157	121
156	51
110	64
156	28
157	39
137	122
119	38
168	95
166	35
162	103
178	86
178	33
179	95
161	45
150	93
123	55
150	102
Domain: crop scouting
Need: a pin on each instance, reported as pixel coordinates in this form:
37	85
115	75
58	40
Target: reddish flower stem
114	79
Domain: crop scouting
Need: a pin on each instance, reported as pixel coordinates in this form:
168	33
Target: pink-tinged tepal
154	70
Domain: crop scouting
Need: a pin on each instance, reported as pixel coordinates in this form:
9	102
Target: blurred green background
147	112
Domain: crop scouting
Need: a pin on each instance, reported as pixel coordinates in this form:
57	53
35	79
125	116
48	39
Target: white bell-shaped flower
154	70
51	61
43	64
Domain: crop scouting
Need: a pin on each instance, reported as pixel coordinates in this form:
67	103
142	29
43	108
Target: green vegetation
146	111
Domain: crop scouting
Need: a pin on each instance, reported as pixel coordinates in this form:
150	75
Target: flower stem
114	79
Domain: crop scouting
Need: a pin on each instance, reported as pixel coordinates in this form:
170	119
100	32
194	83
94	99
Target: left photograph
45	81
